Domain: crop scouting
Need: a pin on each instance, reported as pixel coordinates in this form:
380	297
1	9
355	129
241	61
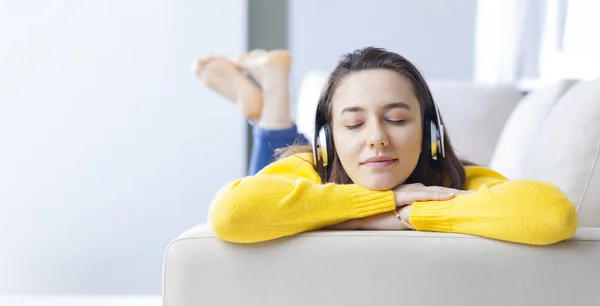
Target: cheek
347	146
408	140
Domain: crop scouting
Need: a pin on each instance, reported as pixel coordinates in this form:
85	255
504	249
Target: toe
200	64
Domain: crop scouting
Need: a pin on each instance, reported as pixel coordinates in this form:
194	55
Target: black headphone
323	146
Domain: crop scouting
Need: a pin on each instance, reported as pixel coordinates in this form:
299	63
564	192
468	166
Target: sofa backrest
523	127
554	135
567	149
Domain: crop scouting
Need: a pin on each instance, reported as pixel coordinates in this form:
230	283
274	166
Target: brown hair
447	171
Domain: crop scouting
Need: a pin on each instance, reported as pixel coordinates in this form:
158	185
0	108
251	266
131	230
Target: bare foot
266	66
244	56
272	71
224	77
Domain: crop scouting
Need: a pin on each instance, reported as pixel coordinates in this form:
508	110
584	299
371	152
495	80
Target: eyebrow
356	109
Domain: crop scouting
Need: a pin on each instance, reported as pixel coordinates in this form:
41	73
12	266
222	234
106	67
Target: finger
441	189
416	196
441	195
408	187
447	189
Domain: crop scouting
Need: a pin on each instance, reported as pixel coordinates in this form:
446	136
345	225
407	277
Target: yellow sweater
288	197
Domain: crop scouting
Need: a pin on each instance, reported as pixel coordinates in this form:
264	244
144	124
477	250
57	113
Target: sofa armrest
380	268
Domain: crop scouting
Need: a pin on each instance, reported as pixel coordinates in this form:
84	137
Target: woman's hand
405	196
379	222
383	222
410	193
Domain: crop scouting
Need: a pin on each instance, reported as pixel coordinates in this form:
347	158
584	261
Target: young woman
381	172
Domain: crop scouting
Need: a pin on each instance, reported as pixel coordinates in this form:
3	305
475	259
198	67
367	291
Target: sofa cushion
567	149
523	127
474	115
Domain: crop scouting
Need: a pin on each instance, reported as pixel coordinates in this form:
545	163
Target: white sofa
552	134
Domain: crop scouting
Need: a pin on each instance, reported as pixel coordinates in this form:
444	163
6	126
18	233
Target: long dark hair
448	171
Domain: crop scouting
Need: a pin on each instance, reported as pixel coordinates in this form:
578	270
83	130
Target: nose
378	137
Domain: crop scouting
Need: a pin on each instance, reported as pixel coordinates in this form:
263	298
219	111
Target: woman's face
377	128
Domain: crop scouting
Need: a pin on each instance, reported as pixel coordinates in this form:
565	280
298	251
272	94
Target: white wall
109	148
436	35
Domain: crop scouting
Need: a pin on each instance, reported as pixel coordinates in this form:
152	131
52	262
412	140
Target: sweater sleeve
522	211
287	198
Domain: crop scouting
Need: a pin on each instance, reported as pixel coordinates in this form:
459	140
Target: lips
379	161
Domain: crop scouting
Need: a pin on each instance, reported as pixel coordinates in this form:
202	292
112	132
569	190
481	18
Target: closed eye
397	122
352	127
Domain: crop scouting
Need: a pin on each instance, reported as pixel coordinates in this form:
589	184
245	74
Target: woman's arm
530	212
522	211
287	198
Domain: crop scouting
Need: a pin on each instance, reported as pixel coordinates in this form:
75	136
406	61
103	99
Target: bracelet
406	223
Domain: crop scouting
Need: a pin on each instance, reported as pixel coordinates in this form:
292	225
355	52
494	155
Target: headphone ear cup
321	145
328	145
322	148
438	130
325	145
434	137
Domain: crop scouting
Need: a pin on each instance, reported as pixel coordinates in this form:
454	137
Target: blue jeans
266	142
